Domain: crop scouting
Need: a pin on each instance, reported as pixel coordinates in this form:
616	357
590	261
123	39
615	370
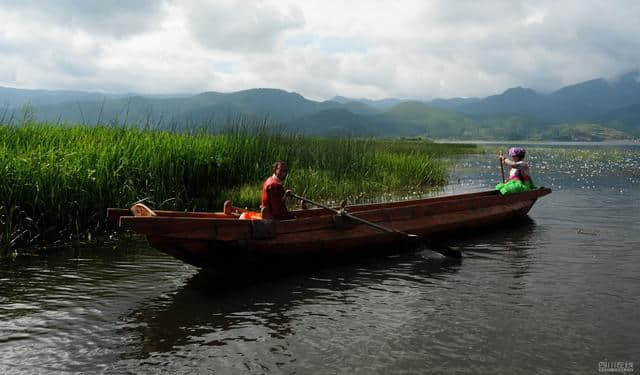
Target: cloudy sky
374	49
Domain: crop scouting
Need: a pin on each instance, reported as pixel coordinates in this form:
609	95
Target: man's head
280	169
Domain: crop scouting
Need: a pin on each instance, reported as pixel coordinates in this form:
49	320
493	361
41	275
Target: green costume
515	186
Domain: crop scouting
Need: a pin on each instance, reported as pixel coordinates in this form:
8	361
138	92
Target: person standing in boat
519	177
273	204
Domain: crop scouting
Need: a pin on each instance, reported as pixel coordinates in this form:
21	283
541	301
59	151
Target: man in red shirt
273	205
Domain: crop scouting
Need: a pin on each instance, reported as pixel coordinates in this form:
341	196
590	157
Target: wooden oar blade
448	252
443	249
140	209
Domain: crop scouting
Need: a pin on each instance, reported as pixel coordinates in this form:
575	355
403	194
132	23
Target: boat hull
215	239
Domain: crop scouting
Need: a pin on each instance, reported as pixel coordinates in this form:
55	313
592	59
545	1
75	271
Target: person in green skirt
519	178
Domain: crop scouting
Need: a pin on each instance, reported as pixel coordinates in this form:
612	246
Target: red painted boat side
207	239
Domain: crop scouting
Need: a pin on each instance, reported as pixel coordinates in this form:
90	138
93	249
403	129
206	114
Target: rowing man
273	193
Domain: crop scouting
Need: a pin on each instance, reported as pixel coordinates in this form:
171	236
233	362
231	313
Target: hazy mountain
207	107
131	110
417	118
625	119
586	101
379	104
15	98
513	100
452	103
591	99
403	119
385	104
357	107
609	108
337	122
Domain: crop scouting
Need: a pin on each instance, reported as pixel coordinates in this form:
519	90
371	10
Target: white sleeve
518	165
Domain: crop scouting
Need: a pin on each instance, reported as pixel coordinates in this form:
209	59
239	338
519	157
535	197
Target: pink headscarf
517	151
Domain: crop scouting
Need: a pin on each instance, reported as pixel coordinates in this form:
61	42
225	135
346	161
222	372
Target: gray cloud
240	25
116	18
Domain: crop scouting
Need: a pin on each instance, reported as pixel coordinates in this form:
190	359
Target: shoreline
626	142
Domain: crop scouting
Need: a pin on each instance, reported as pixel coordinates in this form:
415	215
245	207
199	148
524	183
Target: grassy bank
56	182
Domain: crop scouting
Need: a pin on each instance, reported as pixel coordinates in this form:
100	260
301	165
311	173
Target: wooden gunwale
114	213
408	215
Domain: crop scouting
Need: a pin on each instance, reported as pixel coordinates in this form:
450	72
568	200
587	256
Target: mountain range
593	110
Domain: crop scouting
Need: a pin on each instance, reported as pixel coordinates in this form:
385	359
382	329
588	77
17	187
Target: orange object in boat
250	215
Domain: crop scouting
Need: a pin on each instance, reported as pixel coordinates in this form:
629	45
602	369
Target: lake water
557	292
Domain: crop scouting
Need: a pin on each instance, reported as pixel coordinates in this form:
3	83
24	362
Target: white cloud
417	49
246	27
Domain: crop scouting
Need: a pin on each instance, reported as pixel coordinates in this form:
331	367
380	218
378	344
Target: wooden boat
222	239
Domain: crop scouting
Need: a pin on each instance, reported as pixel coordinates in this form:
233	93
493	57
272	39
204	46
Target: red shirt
273	197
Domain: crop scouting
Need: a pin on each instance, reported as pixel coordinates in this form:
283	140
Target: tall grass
56	182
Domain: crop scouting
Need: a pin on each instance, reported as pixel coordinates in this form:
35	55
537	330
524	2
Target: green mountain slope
625	119
417	118
337	122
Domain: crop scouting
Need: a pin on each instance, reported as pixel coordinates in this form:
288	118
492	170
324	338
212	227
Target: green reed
56	182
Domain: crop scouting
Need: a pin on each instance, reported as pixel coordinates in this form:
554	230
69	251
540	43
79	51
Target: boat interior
234	212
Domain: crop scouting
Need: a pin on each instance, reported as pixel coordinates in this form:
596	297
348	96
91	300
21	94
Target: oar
501	165
446	251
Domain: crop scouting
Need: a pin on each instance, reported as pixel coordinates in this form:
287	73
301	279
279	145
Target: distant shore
621	142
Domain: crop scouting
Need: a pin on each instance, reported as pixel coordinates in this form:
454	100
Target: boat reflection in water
212	311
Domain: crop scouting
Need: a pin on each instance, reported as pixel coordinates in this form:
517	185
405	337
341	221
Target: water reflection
506	253
59	310
210	312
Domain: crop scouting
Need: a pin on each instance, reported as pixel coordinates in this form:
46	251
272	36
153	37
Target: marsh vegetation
56	182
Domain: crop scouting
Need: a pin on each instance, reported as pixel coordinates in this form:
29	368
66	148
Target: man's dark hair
278	164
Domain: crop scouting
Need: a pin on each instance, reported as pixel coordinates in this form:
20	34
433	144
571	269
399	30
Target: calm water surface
557	292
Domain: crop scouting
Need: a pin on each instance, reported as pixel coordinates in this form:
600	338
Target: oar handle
501	164
292	194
